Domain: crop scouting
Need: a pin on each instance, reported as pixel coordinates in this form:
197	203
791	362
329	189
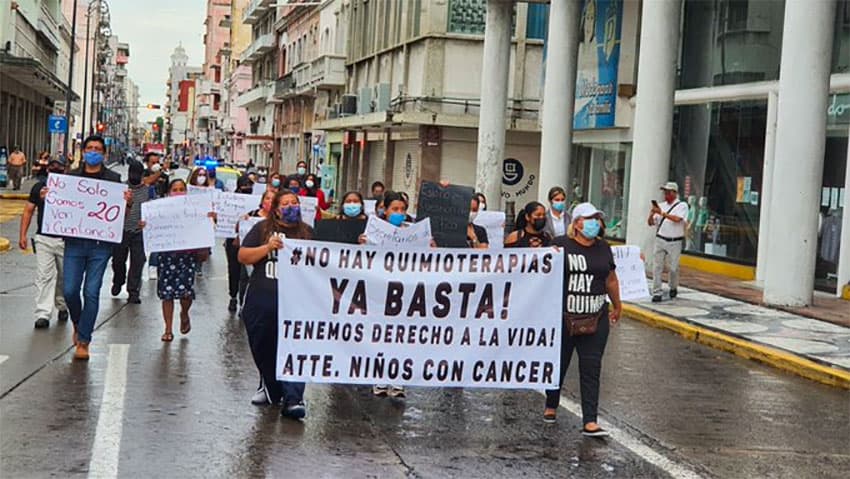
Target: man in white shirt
669	220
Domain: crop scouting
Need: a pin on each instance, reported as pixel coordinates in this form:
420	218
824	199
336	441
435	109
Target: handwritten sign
259	188
309	205
245	225
177	223
80	207
381	233
229	208
370	207
631	272
494	223
448	208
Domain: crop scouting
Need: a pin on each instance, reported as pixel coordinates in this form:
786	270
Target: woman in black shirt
260	250
530	226
588	277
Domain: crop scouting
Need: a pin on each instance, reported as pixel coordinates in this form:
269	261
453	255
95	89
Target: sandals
185	323
167	337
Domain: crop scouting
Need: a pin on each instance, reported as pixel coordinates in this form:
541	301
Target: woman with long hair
530	228
312	188
259	313
200	177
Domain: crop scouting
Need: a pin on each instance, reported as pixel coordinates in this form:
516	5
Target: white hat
670	186
586	210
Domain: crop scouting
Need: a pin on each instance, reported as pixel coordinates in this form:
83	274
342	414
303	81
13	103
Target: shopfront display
600	173
833	192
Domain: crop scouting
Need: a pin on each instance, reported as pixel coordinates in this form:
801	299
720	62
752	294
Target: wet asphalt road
186	409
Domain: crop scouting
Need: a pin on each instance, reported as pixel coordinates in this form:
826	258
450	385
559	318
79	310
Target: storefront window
841	44
718	156
730	41
599	174
832	192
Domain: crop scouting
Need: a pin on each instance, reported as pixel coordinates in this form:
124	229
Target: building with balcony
209	91
237	78
257	96
30	72
179	107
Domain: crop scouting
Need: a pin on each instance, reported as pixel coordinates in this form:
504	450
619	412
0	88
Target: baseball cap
586	210
670	186
56	159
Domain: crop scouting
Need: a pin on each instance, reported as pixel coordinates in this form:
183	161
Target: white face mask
156	167
201	180
309	183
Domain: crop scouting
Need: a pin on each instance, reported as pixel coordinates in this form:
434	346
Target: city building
209	116
237	79
181	83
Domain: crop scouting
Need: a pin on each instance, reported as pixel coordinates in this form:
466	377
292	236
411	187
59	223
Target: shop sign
838	111
513	175
598	64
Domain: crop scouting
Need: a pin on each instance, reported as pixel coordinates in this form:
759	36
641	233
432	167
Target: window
600	173
841	42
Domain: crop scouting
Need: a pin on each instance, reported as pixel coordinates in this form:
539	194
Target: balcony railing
204	111
328	71
284	87
257	94
259	47
255	10
301	75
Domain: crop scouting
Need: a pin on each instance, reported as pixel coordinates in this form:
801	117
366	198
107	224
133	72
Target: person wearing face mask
231	249
294	185
155	174
49	252
557	218
39	169
216	183
200	178
274	182
482	201
668	218
352	207
260	250
587	316
131	244
476	236
312	189
86	259
377	191
530	228
301	172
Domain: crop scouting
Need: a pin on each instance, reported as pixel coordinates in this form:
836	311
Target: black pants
590	349
260	317
234	270
133	246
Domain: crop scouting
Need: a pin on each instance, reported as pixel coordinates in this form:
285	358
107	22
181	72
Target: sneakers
116	289
63	315
380	390
598	432
656	298
42	323
550	415
232	306
673	293
397	392
294	410
82	352
152	273
260	398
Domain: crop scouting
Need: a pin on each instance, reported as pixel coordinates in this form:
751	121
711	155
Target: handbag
582	324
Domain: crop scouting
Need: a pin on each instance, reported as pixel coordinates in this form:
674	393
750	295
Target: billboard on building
598	63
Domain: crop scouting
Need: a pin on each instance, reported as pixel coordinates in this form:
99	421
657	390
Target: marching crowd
68	267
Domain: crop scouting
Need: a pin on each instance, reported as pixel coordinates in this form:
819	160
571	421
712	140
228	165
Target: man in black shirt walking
131	243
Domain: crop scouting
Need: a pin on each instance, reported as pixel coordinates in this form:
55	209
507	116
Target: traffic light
101	127
152	106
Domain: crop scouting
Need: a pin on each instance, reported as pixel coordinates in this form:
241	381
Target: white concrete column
494	99
559	91
844	248
800	143
766	185
653	123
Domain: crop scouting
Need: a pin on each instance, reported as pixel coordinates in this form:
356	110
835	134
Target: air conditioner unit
348	106
364	101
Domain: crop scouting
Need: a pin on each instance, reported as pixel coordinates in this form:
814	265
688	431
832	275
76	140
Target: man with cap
131	244
49	252
668	218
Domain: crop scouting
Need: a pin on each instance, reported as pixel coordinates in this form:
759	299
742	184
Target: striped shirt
141	194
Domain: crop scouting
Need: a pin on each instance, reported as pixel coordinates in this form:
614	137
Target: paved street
675	408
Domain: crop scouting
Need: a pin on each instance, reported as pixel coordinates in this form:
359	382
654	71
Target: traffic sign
57	124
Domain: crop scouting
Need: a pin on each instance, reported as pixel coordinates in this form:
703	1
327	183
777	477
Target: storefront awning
33	74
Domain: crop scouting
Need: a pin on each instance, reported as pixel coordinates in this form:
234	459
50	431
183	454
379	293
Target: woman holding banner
260	250
588	277
530	228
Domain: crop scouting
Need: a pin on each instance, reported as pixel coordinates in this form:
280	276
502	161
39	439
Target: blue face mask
396	219
590	228
93	158
559	206
352	209
276	183
301	170
294	189
291	214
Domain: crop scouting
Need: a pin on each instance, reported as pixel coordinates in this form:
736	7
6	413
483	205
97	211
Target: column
766	185
494	99
800	143
653	123
844	248
559	90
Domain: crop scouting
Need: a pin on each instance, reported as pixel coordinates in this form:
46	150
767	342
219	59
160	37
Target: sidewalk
812	348
8	193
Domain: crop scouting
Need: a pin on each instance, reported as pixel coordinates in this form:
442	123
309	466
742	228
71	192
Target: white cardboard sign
381	233
81	207
631	273
229	208
494	223
178	223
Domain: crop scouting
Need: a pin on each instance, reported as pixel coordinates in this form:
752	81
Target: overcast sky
153	28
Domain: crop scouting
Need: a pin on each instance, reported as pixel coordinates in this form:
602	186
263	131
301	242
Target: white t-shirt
559	225
671	229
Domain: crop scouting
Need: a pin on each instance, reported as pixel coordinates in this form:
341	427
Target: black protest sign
339	231
448	208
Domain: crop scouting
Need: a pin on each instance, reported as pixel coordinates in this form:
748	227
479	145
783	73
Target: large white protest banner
178	223
309	205
419	316
81	207
381	233
631	272
494	223
229	207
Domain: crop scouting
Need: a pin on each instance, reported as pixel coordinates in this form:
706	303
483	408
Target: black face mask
539	224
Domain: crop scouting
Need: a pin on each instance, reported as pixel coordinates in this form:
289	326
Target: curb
14	196
777	358
5	245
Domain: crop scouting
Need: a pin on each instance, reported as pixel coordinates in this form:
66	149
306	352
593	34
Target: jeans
16	174
665	249
85	260
590	348
48	280
132	246
260	317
